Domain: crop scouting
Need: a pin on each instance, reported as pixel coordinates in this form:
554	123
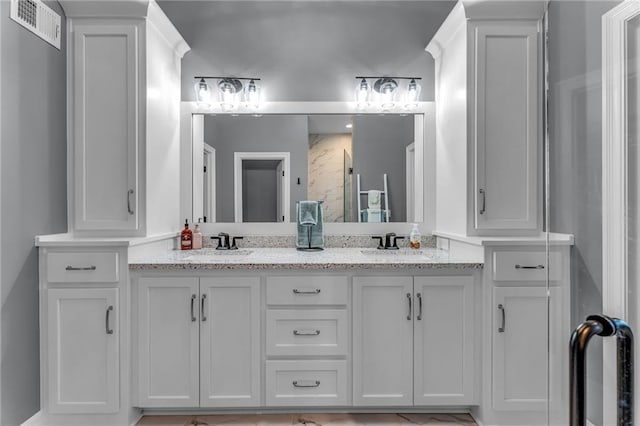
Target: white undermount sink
214	252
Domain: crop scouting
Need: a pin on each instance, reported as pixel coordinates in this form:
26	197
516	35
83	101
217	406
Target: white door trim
614	185
210	183
238	157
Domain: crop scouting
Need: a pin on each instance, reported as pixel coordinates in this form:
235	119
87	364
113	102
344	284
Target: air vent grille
38	18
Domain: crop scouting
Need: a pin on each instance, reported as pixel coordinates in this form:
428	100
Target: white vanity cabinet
489	108
198	341
413	340
84	334
123	111
83	357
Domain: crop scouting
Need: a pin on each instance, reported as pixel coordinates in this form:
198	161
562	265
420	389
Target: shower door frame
615	249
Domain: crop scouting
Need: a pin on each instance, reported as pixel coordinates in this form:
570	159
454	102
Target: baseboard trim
35	420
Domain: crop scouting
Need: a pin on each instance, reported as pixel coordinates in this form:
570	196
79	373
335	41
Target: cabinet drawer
293	383
300	332
307	290
526	266
73	267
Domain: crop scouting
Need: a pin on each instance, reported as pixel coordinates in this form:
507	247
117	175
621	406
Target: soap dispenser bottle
197	236
414	236
186	237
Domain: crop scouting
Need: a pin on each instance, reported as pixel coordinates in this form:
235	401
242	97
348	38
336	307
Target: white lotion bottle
197	236
414	236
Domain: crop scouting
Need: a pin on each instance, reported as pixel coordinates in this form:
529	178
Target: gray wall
575	120
379	144
33	191
307	51
267	133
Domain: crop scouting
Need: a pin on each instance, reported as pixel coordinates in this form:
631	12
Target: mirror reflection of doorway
261	186
209	184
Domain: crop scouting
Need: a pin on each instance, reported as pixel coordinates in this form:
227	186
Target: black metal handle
107	326
219	242
193	301
233	242
203	316
529	267
380	246
603	326
484	201
419	318
409	299
395	242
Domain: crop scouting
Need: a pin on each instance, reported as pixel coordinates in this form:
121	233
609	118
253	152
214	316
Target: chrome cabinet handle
484	201
80	268
419	307
315	291
313	384
501	308
202	314
107	326
129	194
306	333
529	267
409	299
193	300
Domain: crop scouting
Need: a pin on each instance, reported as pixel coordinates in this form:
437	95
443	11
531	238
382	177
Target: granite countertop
290	258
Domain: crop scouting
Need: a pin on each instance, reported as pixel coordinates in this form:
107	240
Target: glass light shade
363	91
227	95
203	93
252	95
387	94
412	95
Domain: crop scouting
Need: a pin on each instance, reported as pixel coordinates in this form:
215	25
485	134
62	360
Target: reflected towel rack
385	192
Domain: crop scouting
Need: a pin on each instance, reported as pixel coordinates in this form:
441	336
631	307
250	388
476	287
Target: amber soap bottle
186	237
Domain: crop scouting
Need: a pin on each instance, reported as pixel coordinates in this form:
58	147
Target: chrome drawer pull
484	201
501	329
80	268
129	194
309	385
296	291
193	315
306	333
203	316
529	267
107	327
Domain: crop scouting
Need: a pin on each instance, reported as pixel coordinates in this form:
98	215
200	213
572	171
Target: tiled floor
310	420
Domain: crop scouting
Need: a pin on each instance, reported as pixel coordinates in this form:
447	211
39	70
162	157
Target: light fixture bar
391	77
228	77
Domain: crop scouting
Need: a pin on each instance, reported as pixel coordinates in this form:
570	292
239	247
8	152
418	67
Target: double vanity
129	325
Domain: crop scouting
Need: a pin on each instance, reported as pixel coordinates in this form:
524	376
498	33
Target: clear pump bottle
414	236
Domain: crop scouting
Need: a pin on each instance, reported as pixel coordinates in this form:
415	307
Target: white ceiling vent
37	18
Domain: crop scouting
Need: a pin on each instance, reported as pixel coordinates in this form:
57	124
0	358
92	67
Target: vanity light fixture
231	92
385	92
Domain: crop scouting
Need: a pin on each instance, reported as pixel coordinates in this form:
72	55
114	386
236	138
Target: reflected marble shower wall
326	172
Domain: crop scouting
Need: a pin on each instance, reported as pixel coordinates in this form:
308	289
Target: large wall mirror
253	168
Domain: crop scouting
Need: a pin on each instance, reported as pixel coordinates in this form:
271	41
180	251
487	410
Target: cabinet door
444	349
506	134
230	342
168	342
383	341
105	128
83	362
520	348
